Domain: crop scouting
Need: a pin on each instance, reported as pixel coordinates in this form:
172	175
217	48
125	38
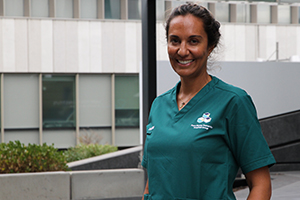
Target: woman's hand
146	189
259	182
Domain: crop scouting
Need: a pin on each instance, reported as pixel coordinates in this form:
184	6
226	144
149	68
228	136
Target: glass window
222	12
58	101
64	8
127	100
21	99
263	14
14	7
112	9
95	100
88	9
134	9
160	9
243	13
284	14
40	8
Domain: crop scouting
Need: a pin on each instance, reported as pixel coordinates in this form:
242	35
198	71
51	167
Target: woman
201	131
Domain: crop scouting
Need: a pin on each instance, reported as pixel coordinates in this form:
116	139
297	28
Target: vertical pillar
52	8
274	14
233	13
212	8
101	9
1	7
40	109
113	108
2	108
76	8
294	15
148	59
124	9
253	13
27	8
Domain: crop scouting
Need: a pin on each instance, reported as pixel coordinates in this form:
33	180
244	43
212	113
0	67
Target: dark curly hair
211	26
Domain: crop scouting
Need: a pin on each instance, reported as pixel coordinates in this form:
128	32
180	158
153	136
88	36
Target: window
88	9
95	100
21	109
243	13
14	7
127	101
160	9
134	9
284	14
58	101
222	12
40	8
64	8
263	13
112	9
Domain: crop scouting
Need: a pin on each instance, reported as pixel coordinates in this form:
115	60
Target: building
70	68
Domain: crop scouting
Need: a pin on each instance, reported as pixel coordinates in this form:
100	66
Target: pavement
285	186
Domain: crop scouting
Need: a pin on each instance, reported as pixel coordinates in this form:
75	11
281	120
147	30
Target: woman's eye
174	41
194	41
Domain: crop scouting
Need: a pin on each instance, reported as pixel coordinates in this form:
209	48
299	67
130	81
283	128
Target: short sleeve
246	139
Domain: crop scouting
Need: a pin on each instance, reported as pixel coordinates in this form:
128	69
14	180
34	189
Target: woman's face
187	46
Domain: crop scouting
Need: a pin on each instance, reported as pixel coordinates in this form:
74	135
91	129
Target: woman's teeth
184	61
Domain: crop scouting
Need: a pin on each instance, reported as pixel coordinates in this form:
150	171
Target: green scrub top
195	153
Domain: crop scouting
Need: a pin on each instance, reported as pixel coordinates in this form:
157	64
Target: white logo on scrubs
205	118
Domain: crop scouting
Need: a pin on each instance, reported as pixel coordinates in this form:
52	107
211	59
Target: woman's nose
183	50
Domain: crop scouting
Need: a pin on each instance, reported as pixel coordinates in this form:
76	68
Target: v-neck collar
180	113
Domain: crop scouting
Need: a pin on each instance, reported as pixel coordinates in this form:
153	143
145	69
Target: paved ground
286	186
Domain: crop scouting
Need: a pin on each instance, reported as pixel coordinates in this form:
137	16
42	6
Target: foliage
86	151
16	158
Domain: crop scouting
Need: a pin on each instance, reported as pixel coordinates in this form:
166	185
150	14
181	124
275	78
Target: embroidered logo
205	118
151	128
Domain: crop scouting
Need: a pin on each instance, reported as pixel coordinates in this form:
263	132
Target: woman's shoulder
230	89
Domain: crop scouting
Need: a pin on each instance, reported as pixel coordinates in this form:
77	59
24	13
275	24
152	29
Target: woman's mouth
184	62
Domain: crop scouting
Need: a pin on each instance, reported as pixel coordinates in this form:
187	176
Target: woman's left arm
259	182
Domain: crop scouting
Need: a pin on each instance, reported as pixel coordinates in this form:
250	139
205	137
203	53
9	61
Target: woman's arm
146	189
259	182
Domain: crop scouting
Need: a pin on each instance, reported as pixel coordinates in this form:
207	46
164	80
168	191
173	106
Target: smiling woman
201	131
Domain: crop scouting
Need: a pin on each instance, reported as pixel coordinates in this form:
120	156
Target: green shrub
16	158
86	151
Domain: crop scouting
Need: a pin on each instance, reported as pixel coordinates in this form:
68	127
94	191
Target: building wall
72	46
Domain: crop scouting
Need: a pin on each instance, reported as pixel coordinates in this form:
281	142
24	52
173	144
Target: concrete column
101	9
253	13
1	7
212	8
168	7
76	8
52	8
274	14
27	8
294	15
232	11
124	9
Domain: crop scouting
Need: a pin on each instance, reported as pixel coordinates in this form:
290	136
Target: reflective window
58	101
88	9
14	7
64	8
263	13
134	9
21	109
222	12
243	13
40	8
112	9
95	100
127	100
284	14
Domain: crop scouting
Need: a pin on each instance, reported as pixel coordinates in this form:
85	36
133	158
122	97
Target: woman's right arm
146	189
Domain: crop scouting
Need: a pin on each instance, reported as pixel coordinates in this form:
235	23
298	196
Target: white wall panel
46	46
21	42
71	46
270	37
1	45
83	46
287	39
262	40
59	46
9	56
297	41
139	46
229	36
34	45
119	47
107	47
240	49
95	46
250	43
131	47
